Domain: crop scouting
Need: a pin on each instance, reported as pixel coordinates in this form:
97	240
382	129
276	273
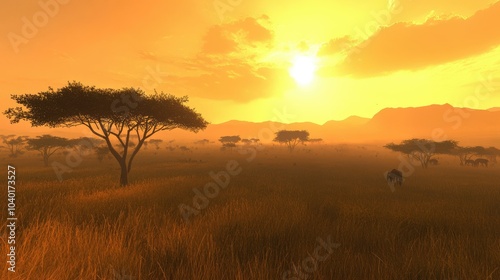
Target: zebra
481	161
395	176
470	162
433	161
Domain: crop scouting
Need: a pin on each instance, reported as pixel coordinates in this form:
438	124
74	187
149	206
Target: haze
235	61
321	139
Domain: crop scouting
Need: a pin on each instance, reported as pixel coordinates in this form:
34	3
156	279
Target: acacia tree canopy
229	142
110	114
291	138
466	153
315	140
423	150
47	145
156	142
230	139
14	144
202	142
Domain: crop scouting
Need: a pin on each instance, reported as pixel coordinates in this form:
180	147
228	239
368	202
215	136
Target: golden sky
235	58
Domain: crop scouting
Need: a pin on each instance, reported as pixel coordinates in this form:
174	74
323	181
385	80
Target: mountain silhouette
438	122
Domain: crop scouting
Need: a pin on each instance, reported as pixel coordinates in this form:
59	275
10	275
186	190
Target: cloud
337	45
236	81
229	65
230	37
405	46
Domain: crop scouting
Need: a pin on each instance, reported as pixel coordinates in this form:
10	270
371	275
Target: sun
303	69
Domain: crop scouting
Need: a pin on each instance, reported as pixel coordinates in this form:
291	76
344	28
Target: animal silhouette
481	162
395	177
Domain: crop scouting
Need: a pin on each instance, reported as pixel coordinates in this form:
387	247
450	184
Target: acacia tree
492	154
466	153
202	142
291	138
184	149
47	145
250	141
113	115
85	145
14	144
229	141
422	150
255	140
315	140
156	142
101	152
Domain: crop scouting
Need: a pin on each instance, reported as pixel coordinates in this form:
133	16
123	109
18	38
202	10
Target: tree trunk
123	174
46	161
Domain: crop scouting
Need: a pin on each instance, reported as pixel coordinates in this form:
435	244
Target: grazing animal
395	177
433	161
469	162
481	161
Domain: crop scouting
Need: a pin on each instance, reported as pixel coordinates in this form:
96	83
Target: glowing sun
303	69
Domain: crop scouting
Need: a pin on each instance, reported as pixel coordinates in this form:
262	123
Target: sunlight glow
303	69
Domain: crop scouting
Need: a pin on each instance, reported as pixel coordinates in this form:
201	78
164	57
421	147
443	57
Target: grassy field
323	213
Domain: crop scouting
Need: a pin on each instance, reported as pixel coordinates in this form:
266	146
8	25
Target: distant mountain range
438	122
463	124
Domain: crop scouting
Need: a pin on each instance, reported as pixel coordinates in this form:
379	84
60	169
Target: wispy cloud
229	65
405	46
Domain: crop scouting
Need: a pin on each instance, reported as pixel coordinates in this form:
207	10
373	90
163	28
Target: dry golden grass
444	223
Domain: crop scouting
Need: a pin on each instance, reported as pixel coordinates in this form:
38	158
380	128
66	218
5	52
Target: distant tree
466	153
227	146
85	144
229	142
246	141
291	138
251	141
110	114
315	140
102	152
170	148
202	142
156	143
492	154
184	149
423	150
14	144
230	139
47	145
119	147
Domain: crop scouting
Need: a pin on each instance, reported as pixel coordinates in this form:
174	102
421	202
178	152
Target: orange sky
233	57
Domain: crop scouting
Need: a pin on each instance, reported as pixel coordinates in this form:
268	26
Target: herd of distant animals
468	162
477	162
396	177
